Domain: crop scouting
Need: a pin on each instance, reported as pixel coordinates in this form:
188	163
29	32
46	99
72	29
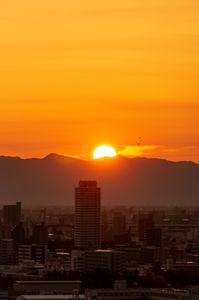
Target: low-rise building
45	287
37	253
137	294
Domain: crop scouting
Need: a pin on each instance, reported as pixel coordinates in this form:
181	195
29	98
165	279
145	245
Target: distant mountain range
124	181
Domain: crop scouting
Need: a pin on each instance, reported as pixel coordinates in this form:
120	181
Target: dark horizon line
53	154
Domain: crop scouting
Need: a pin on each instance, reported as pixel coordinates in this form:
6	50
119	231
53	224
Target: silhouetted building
18	233
24	253
12	214
7	253
87	215
105	227
157	237
149	255
40	234
52	289
146	228
77	260
119	227
38	253
100	259
121	292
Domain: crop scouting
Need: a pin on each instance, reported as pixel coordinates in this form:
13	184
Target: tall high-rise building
87	215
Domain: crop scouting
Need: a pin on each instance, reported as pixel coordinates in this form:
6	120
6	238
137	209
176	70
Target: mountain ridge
129	181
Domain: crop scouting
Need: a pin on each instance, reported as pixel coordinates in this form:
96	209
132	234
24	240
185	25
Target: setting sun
104	151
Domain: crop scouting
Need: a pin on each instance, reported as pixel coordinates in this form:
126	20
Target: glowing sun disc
104	151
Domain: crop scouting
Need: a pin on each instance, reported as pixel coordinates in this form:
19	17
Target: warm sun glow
104	151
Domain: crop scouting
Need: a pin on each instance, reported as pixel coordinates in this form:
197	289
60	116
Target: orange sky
75	74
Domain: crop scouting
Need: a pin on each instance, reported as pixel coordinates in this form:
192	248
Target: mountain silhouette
124	181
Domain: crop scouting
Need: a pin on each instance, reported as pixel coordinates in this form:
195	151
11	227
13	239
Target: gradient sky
75	74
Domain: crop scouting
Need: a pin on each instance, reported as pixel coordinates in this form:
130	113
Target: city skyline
99	150
76	75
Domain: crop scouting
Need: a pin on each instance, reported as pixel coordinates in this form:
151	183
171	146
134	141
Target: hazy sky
75	74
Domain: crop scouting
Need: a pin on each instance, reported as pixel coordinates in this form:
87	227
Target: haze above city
78	74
